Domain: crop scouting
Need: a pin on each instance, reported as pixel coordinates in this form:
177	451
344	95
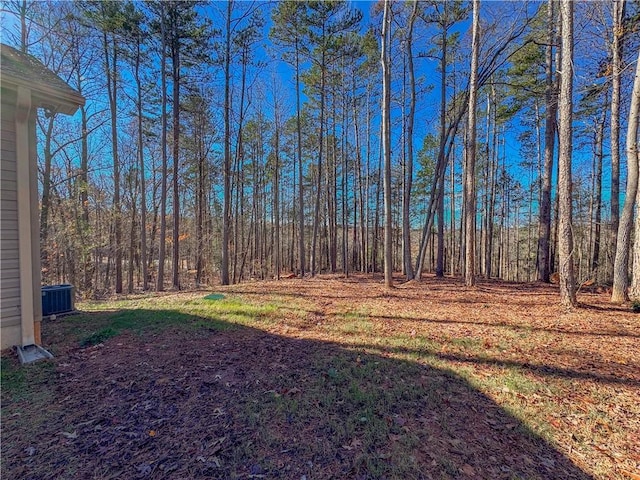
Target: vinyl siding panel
9	178
7	123
8	163
8	146
10	319
9	225
10	304
9	201
10	336
7	185
7	245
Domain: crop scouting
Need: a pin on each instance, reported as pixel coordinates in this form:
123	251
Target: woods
223	142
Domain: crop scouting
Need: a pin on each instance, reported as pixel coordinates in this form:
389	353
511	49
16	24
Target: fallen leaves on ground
350	380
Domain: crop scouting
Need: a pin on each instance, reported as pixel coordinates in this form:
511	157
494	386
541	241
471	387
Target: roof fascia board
47	97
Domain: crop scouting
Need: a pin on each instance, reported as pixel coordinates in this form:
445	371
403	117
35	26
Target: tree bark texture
616	71
406	198
620	291
163	146
470	165
226	214
543	261
385	61
565	105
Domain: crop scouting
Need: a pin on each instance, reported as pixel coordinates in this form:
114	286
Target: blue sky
428	105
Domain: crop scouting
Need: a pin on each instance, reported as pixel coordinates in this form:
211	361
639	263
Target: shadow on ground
234	402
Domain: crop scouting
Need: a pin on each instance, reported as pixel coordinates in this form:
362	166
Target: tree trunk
367	187
490	180
163	145
359	189
111	78
23	26
199	124
237	172
87	283
452	220
344	182
444	153
634	289
226	214
565	105
616	71
143	191
597	196
385	60
439	267
443	123
406	198
301	252
493	174
175	62
469	173
276	187
132	238
535	171
621	266
544	224
316	211
46	195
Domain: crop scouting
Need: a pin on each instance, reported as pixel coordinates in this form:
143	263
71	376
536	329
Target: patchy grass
26	399
99	321
99	337
12	377
330	378
24	381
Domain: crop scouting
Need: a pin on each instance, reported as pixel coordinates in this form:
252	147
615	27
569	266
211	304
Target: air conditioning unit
57	299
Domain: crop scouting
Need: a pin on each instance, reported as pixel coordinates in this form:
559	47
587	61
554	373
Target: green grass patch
354	327
518	382
100	327
12	377
101	321
467	343
98	337
25	381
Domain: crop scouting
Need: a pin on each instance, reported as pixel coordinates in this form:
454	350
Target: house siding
10	318
26	85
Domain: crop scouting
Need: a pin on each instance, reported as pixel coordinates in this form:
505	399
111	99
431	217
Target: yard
330	378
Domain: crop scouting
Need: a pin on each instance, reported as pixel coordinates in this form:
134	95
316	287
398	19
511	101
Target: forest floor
331	378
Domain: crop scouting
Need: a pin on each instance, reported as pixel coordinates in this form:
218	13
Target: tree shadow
491	287
523	328
224	401
543	370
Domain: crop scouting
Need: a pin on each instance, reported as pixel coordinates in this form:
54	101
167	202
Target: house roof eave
44	96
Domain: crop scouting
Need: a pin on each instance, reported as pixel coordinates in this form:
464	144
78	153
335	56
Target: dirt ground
346	379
